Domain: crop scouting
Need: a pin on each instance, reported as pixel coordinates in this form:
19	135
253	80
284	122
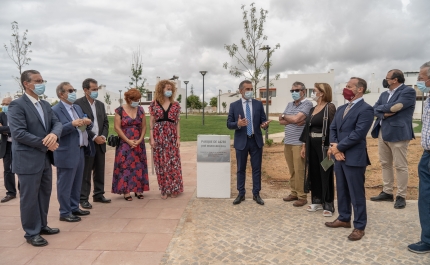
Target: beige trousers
393	155
296	165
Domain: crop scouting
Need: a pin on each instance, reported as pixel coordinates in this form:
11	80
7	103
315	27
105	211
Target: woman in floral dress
130	173
165	139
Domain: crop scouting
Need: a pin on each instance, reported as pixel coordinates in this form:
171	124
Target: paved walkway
188	230
122	232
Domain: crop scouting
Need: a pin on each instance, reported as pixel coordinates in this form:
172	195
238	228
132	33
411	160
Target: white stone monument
213	166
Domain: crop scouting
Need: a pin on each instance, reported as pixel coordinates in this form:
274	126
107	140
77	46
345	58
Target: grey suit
97	162
32	160
6	155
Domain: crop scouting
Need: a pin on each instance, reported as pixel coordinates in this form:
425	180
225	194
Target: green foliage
107	99
137	81
18	51
54	103
224	106
269	142
179	99
213	102
194	102
248	64
192	90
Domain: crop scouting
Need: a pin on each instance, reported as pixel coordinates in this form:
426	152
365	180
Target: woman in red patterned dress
165	139
130	172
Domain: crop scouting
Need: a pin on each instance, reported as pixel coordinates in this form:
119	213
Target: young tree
192	90
248	64
213	102
224	106
137	80
19	51
179	99
108	101
193	102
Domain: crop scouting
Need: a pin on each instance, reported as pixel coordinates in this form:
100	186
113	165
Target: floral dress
130	170
167	159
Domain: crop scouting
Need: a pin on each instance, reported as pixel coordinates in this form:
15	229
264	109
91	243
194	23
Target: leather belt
316	135
250	136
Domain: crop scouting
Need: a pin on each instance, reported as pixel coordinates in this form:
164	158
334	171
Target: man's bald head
6	101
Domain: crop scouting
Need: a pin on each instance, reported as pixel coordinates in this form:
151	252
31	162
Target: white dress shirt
81	134
95	129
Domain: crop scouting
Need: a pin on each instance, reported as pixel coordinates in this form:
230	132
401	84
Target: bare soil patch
275	174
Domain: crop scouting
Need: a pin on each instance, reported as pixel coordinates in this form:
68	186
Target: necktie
347	109
248	117
40	110
83	137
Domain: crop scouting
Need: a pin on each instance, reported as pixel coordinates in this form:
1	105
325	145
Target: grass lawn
192	126
419	127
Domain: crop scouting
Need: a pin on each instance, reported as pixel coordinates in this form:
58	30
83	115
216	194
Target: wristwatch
283	115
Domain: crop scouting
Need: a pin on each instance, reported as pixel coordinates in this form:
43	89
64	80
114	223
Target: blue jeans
424	196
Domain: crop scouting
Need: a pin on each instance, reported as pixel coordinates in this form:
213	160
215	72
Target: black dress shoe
400	203
8	198
80	212
239	199
86	205
383	197
49	231
258	199
70	218
101	199
37	241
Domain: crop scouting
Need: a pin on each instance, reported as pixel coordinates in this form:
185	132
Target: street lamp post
267	48
120	100
219	101
186	86
203	103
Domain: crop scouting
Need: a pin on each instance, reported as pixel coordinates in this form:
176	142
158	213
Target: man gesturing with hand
246	116
35	131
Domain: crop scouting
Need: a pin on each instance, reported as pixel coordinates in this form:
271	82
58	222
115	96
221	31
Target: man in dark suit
95	110
246	116
348	132
70	156
35	131
6	153
393	128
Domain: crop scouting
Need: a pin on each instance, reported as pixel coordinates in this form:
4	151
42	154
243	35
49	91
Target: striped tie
347	109
248	117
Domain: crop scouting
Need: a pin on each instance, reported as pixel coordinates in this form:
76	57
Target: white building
279	94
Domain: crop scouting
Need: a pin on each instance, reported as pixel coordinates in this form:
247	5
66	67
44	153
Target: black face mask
385	83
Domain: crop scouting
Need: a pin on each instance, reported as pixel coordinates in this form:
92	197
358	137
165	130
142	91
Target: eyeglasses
71	90
295	90
39	81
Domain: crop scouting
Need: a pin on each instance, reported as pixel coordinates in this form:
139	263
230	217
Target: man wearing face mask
70	156
95	110
294	118
423	246
35	131
6	152
348	132
246	116
393	128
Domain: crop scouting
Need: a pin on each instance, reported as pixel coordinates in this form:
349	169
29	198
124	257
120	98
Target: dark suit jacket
68	153
399	126
102	119
5	133
350	133
27	132
258	117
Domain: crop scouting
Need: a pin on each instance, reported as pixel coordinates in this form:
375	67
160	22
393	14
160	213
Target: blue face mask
71	97
4	109
39	89
94	94
134	104
422	86
296	95
168	93
248	94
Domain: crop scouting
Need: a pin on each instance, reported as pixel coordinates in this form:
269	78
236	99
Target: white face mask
314	96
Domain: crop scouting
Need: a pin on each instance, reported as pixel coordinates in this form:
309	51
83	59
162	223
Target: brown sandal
164	196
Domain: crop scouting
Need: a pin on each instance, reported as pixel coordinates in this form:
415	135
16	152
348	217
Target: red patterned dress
167	159
130	170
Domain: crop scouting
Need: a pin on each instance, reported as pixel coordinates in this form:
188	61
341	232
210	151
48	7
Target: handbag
113	140
327	162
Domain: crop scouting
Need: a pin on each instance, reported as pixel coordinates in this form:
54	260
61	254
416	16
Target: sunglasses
295	90
71	90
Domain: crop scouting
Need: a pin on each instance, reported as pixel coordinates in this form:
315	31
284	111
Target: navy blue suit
70	160
32	160
350	135
399	126
6	155
244	145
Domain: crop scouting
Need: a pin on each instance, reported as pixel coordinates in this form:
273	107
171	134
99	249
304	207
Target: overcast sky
76	39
